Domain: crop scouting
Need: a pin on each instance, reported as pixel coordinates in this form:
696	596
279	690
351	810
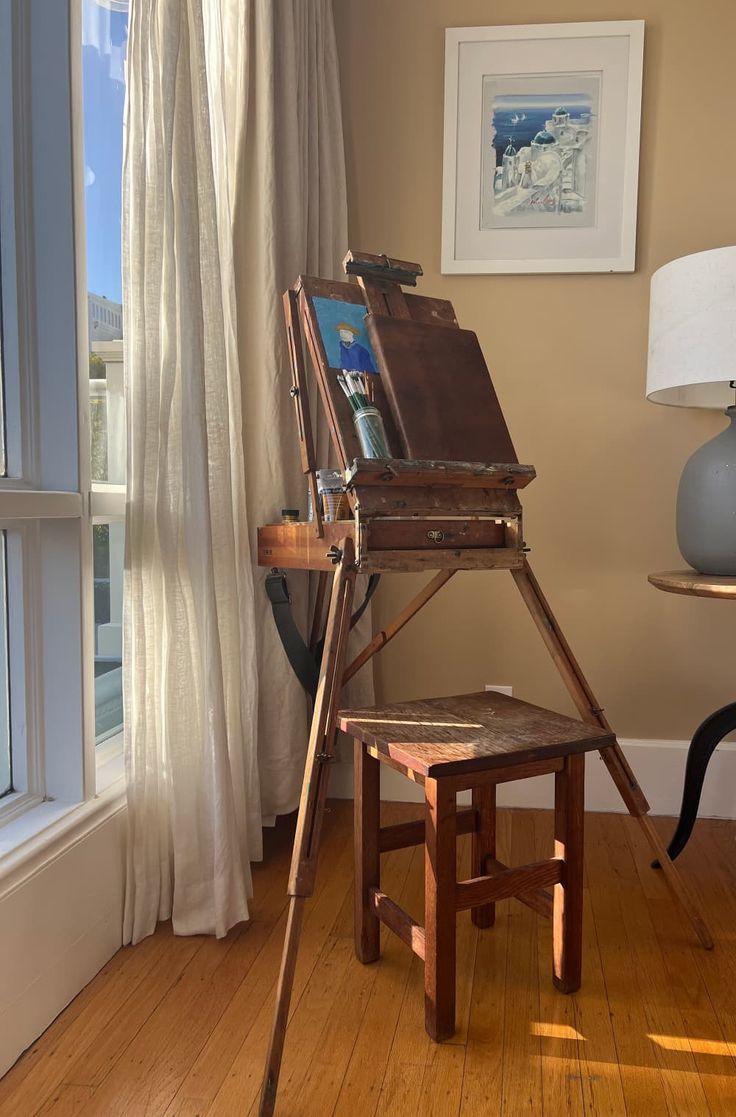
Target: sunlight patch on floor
556	1031
698	1046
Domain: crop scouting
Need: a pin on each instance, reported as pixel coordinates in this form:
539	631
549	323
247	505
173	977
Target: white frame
47	503
625	261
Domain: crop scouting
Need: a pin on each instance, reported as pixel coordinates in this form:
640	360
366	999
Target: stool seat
436	737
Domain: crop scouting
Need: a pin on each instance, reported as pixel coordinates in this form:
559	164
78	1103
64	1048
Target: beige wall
568	357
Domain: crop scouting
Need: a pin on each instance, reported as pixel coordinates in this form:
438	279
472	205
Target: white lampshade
692	331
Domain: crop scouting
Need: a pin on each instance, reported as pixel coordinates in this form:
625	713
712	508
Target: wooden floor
178	1026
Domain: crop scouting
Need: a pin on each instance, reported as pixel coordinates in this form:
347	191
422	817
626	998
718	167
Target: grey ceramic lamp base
706	505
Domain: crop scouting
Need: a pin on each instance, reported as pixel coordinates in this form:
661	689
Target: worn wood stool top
467	732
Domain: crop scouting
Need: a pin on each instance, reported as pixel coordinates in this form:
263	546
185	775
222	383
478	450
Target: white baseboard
659	767
59	928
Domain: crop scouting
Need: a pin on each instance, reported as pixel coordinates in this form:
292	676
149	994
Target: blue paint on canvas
517	119
344	336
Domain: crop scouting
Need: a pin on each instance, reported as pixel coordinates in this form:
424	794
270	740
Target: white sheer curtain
233	184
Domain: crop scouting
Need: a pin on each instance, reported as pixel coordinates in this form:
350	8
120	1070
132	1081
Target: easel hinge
325	758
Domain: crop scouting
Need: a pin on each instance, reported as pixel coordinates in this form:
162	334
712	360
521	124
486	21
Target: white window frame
47	503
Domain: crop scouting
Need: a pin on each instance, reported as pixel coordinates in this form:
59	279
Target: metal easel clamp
381	268
277	587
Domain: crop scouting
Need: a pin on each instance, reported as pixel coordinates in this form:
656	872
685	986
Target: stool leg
567	918
367	811
484	846
440	876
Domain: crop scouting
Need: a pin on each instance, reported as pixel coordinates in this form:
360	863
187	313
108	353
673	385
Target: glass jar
371	433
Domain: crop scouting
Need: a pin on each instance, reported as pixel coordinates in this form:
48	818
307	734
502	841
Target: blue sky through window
104	41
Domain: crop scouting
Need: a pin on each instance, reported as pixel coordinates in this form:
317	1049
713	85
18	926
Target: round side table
715	727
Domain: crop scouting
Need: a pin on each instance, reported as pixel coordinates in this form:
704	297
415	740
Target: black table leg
707	737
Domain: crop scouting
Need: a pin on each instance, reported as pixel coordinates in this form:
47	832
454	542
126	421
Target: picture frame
541	147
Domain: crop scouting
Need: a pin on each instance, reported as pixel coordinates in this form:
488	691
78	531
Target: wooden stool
473	741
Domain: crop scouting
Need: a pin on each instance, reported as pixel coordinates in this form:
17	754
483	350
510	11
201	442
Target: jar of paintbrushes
367	418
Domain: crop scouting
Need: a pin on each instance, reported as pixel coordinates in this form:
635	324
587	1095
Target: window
2	401
107	548
6	771
62	420
104	41
6	767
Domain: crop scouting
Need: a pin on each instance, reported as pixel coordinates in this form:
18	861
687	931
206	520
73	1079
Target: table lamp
692	363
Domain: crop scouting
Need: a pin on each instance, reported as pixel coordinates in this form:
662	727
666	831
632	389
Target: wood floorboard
644	1094
522	1055
484	1056
177	1027
681	1082
361	1085
556	1028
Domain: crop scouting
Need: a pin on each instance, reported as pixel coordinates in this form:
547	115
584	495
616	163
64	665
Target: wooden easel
407	515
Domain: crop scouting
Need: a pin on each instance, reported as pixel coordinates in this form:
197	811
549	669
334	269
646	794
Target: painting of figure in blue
540	136
353	355
343	333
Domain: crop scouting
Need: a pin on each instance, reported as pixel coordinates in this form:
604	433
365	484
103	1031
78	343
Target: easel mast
377	538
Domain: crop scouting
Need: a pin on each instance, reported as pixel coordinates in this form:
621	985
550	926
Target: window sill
109	763
43	833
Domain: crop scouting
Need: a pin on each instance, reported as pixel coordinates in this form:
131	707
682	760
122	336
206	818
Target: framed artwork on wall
541	147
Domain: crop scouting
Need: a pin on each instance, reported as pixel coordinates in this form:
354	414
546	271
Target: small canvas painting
343	333
540	150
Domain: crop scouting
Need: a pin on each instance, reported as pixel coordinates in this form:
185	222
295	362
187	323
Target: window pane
6	773
104	42
2	394
108	541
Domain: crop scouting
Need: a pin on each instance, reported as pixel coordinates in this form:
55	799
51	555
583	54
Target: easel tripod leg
311	807
675	880
367	815
613	757
283	1000
319	604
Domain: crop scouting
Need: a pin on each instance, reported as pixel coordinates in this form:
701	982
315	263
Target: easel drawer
441	558
404	535
298	547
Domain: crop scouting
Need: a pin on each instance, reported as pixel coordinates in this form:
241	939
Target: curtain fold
233	183
290	219
190	679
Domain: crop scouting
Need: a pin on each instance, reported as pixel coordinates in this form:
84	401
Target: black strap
370	589
304	664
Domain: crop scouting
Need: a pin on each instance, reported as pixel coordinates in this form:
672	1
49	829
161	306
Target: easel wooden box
395	505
